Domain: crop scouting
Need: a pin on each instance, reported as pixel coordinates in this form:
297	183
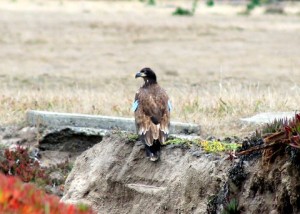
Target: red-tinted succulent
18	162
20	198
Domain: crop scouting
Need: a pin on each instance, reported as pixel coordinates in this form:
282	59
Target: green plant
287	134
231	207
218	146
252	4
285	140
151	2
182	12
273	127
132	137
186	12
210	3
208	146
179	141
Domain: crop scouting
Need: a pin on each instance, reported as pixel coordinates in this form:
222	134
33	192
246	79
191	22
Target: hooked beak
140	75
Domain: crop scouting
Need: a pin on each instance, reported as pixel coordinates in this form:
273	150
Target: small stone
210	138
197	153
56	177
28	133
12	142
34	152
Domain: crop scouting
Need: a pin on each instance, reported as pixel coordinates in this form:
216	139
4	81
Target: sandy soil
81	56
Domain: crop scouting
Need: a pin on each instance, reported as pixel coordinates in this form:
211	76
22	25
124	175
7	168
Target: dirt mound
115	177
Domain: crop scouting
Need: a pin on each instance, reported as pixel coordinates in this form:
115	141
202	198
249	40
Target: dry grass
217	111
216	68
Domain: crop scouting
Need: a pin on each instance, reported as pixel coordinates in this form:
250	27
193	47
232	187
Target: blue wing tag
170	105
135	105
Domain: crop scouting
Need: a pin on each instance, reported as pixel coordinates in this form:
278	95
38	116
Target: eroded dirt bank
115	177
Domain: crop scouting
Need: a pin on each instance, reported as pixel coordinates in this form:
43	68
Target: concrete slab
268	117
55	119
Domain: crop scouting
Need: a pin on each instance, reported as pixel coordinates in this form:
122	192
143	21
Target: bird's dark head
147	74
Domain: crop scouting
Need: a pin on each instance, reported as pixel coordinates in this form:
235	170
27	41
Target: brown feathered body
152	117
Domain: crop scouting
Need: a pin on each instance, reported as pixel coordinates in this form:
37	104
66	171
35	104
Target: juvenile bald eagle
152	113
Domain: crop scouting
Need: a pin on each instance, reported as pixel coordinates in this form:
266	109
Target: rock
116	177
197	153
268	117
28	133
34	153
12	142
54	190
274	9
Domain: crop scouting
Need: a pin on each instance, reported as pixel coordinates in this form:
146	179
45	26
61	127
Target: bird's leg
148	150
154	157
155	151
152	153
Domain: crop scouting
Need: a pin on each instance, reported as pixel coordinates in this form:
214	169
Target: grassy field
217	66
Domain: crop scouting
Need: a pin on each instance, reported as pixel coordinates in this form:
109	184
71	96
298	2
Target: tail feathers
155	133
152	134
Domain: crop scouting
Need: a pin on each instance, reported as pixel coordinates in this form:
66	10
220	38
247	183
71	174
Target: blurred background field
218	65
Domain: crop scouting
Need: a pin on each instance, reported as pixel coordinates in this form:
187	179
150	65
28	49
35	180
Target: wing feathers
135	105
170	105
152	114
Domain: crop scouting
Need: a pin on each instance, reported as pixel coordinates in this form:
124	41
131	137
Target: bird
152	109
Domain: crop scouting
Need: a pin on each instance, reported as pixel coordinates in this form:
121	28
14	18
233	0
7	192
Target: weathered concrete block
268	117
54	119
